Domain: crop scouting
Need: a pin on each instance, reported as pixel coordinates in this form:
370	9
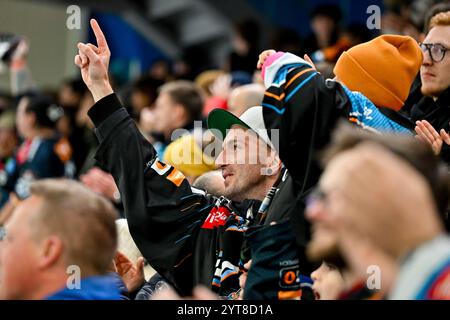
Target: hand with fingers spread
93	62
428	134
131	274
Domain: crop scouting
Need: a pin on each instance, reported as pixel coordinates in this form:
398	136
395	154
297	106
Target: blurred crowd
324	175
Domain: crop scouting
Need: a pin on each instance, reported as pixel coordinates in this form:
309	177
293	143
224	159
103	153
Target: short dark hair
46	110
187	94
418	154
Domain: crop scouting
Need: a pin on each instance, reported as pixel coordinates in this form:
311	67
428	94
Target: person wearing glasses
431	112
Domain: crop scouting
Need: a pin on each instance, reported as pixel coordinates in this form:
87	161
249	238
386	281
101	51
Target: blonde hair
441	19
83	220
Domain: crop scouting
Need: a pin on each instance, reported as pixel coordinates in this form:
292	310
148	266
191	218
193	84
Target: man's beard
242	191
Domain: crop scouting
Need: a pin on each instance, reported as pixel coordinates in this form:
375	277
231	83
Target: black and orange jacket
188	236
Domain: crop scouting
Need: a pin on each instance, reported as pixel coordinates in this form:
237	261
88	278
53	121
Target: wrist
99	91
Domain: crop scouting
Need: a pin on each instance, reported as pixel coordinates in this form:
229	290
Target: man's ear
274	164
180	113
51	252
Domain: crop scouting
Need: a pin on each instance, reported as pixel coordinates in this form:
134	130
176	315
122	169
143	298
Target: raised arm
21	79
302	107
159	204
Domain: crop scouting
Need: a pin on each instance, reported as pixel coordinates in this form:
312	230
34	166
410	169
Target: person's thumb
445	136
140	263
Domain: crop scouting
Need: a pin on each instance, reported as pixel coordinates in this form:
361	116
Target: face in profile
243	160
324	237
328	282
19	253
164	114
435	71
24	119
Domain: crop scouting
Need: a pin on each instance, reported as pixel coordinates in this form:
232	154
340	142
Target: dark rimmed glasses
436	50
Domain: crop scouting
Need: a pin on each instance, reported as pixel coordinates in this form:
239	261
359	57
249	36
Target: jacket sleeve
163	212
300	110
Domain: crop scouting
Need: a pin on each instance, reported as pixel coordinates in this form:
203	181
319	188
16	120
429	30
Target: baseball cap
252	119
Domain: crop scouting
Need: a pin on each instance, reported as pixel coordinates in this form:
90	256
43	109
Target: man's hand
263	57
101	182
131	274
93	62
308	59
428	134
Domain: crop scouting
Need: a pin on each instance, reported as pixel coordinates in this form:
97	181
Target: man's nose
427	61
313	211
220	161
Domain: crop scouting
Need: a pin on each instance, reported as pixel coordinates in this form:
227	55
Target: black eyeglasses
437	51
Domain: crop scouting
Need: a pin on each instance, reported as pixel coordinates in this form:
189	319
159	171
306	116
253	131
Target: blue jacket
104	287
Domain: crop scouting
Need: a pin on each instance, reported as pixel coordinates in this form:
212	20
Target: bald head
245	97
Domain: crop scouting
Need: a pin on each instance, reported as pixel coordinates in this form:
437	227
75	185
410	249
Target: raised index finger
99	36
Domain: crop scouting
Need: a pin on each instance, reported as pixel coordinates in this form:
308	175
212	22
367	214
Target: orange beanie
382	69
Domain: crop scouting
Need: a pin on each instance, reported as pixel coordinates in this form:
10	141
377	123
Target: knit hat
382	69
